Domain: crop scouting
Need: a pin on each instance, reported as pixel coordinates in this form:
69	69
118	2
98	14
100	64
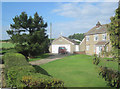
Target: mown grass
75	71
39	57
110	64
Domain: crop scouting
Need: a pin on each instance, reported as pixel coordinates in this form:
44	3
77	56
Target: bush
26	76
14	74
96	60
19	73
14	59
111	76
41	81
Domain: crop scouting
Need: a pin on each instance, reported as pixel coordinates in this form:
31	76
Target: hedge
20	74
14	59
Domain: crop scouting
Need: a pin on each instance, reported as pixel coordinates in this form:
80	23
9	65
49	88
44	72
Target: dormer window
87	38
95	37
98	24
104	37
98	27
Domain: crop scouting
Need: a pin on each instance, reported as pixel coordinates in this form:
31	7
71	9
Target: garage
56	47
70	45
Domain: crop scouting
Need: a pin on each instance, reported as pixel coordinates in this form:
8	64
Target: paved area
52	57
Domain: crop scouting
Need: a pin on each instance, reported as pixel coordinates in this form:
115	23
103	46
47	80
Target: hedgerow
111	76
23	75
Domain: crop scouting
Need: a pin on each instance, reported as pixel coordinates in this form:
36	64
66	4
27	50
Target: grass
7	45
110	64
39	57
75	71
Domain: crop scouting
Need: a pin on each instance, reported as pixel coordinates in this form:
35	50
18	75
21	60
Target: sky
67	18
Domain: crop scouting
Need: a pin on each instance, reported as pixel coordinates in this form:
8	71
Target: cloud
4	33
59	0
85	16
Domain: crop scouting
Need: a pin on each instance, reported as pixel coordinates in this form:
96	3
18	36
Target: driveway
52	57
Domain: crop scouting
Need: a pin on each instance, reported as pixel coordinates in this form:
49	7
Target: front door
98	49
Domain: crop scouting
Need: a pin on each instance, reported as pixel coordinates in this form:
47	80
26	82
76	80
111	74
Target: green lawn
110	64
39	57
75	71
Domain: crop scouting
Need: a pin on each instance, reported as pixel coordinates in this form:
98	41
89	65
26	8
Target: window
87	47
104	36
98	27
95	37
87	38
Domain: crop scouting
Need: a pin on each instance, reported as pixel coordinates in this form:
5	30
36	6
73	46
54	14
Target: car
62	50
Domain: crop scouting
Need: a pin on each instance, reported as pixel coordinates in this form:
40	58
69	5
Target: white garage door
56	47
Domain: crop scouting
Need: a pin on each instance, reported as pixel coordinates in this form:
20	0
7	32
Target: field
7	45
75	71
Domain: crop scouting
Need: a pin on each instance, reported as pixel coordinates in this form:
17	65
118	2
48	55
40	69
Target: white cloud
86	16
59	0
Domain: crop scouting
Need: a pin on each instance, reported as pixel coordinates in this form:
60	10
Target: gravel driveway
52	57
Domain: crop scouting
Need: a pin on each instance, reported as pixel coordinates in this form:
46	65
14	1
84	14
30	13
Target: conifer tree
29	34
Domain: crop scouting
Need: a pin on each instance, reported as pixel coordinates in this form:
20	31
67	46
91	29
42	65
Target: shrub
111	76
14	74
26	76
41	81
19	73
96	60
14	59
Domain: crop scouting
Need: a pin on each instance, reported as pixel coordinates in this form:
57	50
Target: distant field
6	45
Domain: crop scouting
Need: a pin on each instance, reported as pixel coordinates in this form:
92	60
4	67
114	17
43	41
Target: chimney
98	24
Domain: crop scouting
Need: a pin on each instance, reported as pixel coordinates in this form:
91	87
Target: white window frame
87	47
104	36
95	37
87	38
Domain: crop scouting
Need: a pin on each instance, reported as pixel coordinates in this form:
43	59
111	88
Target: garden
70	71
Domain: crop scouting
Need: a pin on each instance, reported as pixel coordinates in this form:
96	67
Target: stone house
96	40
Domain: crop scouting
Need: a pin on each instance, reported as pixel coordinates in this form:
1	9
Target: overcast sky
66	17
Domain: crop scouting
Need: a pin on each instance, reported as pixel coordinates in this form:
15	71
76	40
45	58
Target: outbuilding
70	45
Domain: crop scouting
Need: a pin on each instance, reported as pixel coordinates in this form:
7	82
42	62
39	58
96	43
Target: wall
62	41
91	43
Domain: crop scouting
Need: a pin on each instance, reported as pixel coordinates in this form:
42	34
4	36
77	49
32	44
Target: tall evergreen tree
29	34
114	32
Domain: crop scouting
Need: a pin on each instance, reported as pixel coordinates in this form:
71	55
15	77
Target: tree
78	36
29	34
114	32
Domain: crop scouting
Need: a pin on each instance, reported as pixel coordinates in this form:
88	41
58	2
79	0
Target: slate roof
97	30
71	40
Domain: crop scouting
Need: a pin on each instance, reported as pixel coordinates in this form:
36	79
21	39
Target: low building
96	40
71	45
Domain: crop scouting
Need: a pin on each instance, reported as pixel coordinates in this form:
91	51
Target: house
96	40
71	45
